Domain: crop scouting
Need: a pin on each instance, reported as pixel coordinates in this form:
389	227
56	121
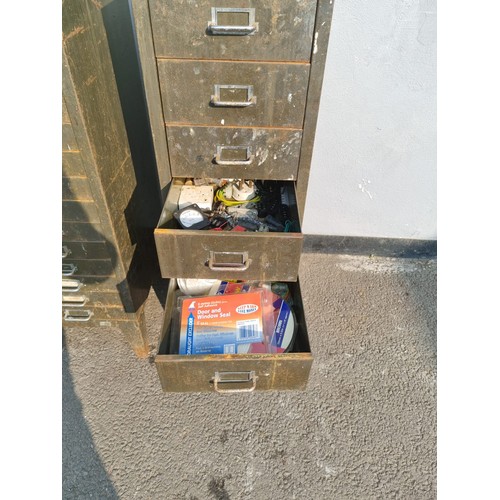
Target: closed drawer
274	30
72	164
89	311
80	211
222	255
126	326
82	231
76	188
226	373
221	152
237	94
83	250
68	138
86	298
98	268
86	285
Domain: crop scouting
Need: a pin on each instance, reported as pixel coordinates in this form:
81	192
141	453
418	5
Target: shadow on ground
82	469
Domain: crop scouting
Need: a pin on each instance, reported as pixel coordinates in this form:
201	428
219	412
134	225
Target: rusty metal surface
193	150
187	88
288	371
285	29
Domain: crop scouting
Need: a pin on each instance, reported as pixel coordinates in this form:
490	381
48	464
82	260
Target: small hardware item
193	286
191	217
243	190
237	193
242	211
283	291
219	222
248	224
203	196
274	224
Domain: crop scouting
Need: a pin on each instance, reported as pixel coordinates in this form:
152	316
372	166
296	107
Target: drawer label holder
215	27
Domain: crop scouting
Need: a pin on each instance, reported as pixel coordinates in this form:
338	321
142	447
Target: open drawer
267	256
230	373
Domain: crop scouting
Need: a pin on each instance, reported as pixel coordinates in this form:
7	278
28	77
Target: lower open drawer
230	373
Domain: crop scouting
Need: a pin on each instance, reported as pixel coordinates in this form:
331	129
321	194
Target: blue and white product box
220	324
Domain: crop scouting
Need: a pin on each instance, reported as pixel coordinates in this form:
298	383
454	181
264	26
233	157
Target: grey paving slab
365	428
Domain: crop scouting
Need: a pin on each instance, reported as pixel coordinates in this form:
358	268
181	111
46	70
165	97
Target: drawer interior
288	199
180	373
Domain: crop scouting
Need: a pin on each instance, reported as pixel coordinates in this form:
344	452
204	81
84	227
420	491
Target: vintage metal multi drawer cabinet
232	89
97	183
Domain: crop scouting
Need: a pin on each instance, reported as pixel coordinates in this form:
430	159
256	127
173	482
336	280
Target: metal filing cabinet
98	181
245	76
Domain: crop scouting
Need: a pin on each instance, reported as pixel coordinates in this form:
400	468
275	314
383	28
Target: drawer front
80	211
249	153
233	93
234	372
87	285
73	267
274	30
82	250
68	138
126	326
76	188
82	231
92	299
72	164
227	255
79	314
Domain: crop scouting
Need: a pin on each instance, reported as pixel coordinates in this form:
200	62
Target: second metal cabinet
233	91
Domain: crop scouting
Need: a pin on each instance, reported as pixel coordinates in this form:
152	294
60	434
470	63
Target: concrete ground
365	428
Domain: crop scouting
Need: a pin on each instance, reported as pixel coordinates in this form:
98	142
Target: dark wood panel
85	285
72	164
102	267
65	115
188	86
142	22
88	251
80	211
275	152
134	330
95	112
98	313
82	231
68	138
76	188
285	30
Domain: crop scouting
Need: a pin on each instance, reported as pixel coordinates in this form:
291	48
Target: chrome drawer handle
71	285
217	102
228	261
76	315
220	29
248	153
65	251
232	378
69	269
74	300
